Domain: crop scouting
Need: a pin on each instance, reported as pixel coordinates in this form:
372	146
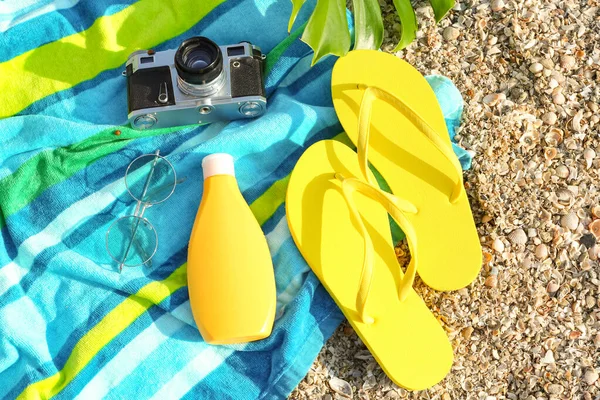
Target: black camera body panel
247	79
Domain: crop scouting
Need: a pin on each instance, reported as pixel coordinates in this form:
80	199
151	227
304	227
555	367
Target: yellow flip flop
341	227
391	114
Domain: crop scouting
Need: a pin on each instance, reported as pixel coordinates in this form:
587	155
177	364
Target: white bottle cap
217	164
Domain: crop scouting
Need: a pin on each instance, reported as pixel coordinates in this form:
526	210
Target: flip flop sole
449	248
405	339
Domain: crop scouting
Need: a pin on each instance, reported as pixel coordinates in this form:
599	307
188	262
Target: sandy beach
529	326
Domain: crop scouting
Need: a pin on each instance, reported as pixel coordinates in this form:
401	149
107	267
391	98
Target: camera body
198	83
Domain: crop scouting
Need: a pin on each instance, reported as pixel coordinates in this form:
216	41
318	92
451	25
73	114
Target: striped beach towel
71	326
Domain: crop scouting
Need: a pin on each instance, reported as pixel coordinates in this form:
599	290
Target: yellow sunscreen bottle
231	280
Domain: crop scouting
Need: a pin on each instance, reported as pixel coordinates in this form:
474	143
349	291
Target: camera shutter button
250	109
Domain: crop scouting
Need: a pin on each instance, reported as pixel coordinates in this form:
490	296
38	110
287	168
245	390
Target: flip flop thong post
391	114
340	224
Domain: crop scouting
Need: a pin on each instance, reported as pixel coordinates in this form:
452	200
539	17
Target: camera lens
199	61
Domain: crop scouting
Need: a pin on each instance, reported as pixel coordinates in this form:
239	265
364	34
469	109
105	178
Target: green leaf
368	25
327	29
408	20
441	8
296	6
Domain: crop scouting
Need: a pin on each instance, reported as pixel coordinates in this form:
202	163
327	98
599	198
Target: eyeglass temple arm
141	213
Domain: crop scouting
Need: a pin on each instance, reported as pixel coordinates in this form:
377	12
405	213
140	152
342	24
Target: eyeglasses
132	240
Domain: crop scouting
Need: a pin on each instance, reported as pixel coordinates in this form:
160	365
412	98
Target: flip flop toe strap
397	208
364	123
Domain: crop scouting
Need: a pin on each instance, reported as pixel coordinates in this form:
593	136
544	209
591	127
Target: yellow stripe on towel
71	60
106	330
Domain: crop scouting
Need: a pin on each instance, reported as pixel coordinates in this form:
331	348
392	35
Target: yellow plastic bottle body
230	273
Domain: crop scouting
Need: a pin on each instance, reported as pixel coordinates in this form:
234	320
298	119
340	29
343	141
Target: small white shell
552	287
536	68
562	171
590	377
549	118
567	62
554	137
529	139
576	121
494	98
558	98
497	5
570	221
541	251
517	237
498	245
341	387
589	155
451	33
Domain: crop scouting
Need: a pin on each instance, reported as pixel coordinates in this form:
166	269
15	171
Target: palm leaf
441	8
368	25
296	6
408	21
327	29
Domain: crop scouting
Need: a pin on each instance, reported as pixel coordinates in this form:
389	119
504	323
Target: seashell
562	171
573	173
547	63
570	221
596	211
576	121
491	281
574	335
554	137
531	232
528	140
589	155
555	389
550	153
341	387
548	358
541	251
467	332
567	62
590	377
503	168
487	257
528	16
564	197
516	165
549	118
536	68
494	98
497	5
559	98
545	216
595	228
451	33
571	143
498	245
552	287
517	237
597	340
